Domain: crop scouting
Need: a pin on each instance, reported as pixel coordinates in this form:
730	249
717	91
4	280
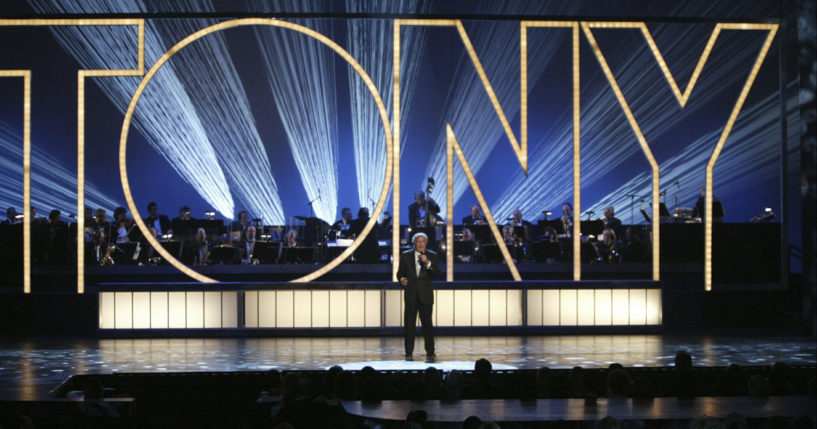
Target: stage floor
31	367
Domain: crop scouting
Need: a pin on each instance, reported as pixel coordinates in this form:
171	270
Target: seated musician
57	249
200	248
343	226
11	216
632	250
368	252
512	242
101	219
121	227
607	248
291	238
238	228
508	236
700	207
159	225
90	226
567	218
475	218
549	234
611	221
247	245
518	221
423	212
183	229
467	235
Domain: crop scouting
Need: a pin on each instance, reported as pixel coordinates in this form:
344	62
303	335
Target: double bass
431	219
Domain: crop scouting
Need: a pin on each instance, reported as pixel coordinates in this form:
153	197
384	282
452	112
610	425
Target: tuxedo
164	224
418	296
471	220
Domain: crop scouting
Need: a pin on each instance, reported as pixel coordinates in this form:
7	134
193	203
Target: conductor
417	266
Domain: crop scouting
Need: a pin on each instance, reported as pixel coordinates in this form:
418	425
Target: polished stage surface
31	367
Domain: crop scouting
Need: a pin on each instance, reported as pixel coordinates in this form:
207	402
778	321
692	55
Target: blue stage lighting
52	185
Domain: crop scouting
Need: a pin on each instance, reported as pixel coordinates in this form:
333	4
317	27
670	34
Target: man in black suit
475	218
157	222
416	269
11	216
368	252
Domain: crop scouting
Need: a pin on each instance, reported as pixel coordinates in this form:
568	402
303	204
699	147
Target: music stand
174	247
315	230
298	255
556	224
491	253
547	251
464	248
123	255
521	232
266	251
592	227
213	227
482	233
224	255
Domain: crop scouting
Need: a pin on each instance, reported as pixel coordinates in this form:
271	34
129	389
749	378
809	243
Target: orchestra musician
90	226
700	207
238	229
632	250
368	252
57	250
159	225
549	234
11	216
423	211
343	226
246	245
467	236
567	219
518	220
183	226
101	219
611	221
607	248
122	227
475	218
512	242
200	248
291	238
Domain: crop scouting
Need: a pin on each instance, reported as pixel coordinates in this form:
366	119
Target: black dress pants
410	325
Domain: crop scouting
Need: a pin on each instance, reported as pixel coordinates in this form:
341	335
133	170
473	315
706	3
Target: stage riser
375	309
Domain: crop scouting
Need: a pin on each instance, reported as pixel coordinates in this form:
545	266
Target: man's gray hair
419	234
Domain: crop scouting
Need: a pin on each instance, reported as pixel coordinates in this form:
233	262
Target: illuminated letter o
123	140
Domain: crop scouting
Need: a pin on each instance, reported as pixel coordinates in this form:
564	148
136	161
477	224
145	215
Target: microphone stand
632	200
317	230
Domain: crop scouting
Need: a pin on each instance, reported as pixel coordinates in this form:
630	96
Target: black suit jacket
470	220
418	286
164	223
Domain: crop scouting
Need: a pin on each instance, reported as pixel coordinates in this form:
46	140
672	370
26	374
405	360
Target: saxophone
106	259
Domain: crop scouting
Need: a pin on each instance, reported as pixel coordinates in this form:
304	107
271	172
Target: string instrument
430	218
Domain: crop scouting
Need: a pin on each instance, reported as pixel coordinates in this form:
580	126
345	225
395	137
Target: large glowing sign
392	134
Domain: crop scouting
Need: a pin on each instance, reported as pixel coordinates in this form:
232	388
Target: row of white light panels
377	308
